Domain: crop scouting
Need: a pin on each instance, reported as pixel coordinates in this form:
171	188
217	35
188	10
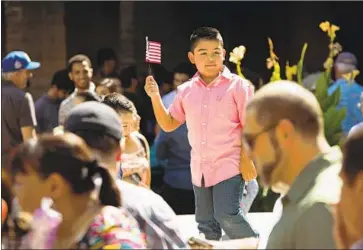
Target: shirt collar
91	88
225	73
304	181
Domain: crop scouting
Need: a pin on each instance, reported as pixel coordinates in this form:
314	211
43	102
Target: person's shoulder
240	83
11	90
67	100
132	194
185	86
110	216
169	95
41	101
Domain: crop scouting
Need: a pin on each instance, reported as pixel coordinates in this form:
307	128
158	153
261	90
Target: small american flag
153	52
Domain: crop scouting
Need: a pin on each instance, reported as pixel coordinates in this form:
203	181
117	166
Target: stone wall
38	29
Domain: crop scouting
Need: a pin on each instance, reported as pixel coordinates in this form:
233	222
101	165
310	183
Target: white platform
261	222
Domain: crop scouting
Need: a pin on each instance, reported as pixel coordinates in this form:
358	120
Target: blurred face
208	57
81	75
21	78
349	211
180	78
30	189
102	90
269	154
61	94
128	123
109	66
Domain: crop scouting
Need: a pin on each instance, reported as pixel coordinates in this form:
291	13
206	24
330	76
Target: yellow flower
324	26
269	63
331	29
237	54
328	64
273	56
290	71
350	77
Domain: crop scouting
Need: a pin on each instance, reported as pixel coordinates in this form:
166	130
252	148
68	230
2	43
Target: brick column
38	28
126	34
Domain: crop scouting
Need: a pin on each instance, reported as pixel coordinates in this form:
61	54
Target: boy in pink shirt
212	103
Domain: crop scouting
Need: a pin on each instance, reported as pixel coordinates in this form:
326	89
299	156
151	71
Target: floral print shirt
113	228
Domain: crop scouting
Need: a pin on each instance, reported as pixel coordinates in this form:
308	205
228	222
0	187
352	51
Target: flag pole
147	51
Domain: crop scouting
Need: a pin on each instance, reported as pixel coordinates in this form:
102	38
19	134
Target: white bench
261	222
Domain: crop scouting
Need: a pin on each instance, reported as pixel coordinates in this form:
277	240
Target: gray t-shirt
17	111
155	217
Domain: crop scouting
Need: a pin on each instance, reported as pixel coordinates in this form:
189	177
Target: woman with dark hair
63	169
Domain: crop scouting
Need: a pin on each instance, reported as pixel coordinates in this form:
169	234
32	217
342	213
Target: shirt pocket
226	108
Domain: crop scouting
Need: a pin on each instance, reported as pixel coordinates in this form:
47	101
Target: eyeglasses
250	140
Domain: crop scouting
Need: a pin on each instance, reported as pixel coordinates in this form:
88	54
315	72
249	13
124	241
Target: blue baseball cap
17	60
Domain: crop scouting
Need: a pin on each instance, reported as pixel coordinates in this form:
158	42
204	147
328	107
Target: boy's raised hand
151	87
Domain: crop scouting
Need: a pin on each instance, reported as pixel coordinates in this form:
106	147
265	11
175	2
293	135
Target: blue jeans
218	207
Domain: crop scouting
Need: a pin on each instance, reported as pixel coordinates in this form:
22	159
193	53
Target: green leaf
333	99
321	91
301	64
333	119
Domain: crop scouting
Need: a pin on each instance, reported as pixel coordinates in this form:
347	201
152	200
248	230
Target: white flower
237	54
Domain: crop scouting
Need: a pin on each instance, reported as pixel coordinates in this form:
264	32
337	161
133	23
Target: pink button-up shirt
214	116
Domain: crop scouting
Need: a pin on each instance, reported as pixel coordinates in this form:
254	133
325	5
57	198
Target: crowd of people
76	165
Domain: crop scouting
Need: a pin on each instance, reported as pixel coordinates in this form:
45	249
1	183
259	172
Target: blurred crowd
87	148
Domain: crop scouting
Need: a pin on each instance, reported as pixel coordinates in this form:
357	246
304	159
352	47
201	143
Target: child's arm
164	119
247	167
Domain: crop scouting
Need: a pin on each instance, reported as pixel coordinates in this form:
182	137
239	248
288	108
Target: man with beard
284	133
47	106
80	72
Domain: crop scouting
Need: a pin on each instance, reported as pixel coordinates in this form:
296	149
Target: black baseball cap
94	116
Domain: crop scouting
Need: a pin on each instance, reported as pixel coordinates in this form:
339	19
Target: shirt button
203	142
203	123
205	105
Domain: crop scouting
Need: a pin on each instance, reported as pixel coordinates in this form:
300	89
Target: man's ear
70	76
224	55
191	57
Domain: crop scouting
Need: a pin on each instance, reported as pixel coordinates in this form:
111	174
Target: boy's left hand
249	172
247	167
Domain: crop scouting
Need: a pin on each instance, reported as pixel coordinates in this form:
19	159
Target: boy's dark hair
185	68
89	96
78	59
204	33
105	54
112	84
62	81
127	75
119	103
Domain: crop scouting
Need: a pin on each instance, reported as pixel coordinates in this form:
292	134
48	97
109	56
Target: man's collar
305	180
91	88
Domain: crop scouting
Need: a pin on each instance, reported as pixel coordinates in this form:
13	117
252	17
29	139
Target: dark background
289	24
93	25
